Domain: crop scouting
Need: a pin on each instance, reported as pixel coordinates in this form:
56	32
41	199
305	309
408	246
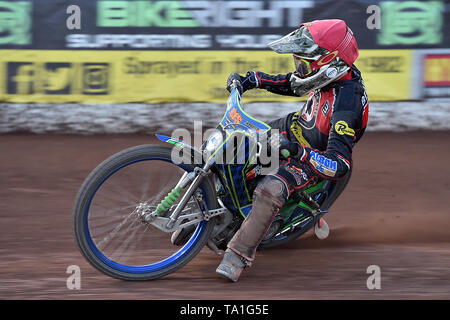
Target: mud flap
195	153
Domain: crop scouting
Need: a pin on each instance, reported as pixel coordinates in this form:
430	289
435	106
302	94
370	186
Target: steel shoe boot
232	265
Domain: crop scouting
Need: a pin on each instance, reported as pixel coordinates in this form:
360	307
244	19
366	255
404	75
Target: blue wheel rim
166	263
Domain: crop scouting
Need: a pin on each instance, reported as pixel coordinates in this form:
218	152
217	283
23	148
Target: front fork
196	178
156	216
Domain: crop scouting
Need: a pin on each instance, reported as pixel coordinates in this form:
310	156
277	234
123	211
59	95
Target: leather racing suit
331	122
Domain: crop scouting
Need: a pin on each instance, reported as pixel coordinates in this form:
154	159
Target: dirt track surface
394	214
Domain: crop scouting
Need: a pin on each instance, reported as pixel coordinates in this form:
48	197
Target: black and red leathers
331	122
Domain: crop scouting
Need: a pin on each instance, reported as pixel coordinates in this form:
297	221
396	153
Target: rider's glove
286	147
248	82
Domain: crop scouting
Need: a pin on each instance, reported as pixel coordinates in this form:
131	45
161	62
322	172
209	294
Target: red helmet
319	46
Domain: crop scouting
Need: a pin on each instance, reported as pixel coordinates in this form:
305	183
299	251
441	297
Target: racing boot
268	197
232	265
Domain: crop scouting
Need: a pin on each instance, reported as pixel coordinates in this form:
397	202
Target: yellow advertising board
386	73
61	76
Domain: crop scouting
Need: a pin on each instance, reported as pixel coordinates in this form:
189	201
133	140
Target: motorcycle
129	208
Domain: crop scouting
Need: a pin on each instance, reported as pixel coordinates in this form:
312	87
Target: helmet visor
299	41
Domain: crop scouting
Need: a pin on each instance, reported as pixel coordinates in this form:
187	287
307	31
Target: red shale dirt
394	214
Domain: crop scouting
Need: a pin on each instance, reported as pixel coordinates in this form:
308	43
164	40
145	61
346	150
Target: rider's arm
278	84
336	161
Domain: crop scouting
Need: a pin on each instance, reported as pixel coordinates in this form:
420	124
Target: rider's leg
269	196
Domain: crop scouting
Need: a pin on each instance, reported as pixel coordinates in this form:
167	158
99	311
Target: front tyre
112	238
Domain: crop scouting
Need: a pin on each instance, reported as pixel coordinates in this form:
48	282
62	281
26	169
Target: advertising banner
213	24
120	51
437	75
170	76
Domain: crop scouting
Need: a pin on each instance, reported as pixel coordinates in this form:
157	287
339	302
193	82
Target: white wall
133	118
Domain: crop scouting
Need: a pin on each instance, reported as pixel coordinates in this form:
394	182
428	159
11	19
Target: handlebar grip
236	84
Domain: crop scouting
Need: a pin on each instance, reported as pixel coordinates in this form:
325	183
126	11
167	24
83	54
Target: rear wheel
112	237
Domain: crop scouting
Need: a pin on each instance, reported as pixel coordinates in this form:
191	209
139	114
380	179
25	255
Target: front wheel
108	233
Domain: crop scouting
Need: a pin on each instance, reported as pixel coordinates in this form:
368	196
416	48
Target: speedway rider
319	138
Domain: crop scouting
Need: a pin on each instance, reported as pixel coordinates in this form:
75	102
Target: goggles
304	67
